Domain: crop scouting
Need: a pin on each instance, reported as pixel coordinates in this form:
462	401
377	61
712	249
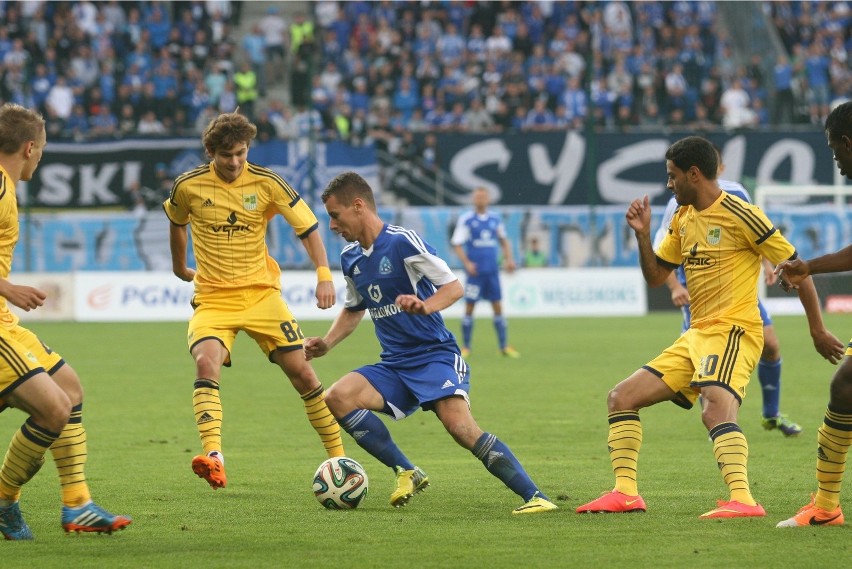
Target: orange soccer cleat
733	509
613	502
210	468
811	515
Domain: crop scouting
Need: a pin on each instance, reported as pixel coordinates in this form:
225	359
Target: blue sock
769	375
500	462
500	328
467	331
373	436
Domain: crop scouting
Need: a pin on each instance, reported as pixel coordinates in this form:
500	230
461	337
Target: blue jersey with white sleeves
398	262
480	235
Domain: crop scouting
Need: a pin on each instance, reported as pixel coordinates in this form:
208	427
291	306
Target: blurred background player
834	437
769	366
33	377
478	239
396	276
228	203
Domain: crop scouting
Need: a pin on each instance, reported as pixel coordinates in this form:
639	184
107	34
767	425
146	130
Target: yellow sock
731	450
23	459
834	438
323	421
624	441
70	453
208	414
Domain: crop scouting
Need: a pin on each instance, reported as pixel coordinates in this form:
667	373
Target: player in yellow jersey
33	377
719	239
834	436
227	203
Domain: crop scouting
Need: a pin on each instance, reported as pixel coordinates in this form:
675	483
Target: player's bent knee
339	401
54	415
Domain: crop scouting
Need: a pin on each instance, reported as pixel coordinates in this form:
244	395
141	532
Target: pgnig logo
523	296
106	296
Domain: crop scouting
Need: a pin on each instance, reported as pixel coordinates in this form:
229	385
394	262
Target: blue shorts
419	381
482	287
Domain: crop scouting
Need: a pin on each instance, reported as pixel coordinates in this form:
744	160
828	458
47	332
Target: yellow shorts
22	355
722	354
259	312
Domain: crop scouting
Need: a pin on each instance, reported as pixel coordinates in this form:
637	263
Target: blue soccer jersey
399	262
480	235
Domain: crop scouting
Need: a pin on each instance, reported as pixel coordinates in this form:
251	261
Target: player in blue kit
769	365
394	275
478	239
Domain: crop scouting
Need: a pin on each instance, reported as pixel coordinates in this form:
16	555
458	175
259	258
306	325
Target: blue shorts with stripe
483	287
419	380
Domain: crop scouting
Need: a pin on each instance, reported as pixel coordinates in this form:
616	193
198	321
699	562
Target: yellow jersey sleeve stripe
267	173
2	185
749	218
310	230
166	210
203	169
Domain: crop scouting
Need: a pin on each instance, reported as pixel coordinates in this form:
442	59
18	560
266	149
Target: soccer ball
340	483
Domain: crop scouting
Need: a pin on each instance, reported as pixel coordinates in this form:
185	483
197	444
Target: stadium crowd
374	70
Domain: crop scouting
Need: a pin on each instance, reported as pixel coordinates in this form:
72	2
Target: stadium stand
369	71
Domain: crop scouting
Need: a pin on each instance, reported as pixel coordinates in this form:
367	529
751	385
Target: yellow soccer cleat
510	352
408	483
465	353
536	505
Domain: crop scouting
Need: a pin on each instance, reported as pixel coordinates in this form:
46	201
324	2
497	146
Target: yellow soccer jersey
720	249
228	223
9	231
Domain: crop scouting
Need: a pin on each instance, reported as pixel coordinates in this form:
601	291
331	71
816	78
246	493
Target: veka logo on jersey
696	262
232	227
699	262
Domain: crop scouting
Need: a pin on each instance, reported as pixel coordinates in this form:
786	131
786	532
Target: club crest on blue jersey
714	235
375	292
385	266
250	202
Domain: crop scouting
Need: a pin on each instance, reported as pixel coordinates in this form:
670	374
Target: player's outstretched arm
825	342
793	272
343	325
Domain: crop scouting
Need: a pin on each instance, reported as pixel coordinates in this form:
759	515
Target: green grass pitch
549	407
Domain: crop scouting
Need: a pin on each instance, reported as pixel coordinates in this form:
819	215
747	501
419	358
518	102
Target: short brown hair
226	131
18	125
348	186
